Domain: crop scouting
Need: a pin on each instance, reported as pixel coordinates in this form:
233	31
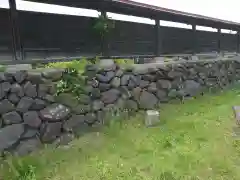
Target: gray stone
49	98
24	104
147	100
125	93
96	93
53	74
18	67
73	122
110	96
55	112
32	119
81	109
136	92
119	73
28	146
11	118
148	77
84	99
115	83
135	80
67	99
5	87
6	106
152	118
30	90
50	132
64	139
105	78
17	89
2	77
38	104
36	77
104	87
131	105
152	87
124	79
140	69
107	65
9	77
191	87
30	133
97	105
164	84
174	74
162	95
90	118
20	76
13	98
173	93
9	135
42	90
143	84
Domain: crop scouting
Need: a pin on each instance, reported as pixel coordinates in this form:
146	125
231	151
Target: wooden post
238	41
219	40
157	38
16	40
104	43
194	39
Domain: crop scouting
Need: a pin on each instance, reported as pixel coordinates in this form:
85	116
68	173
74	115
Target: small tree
103	27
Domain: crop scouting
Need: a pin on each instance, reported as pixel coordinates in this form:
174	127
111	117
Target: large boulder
10	135
24	104
32	119
116	82
28	146
124	79
110	96
50	132
17	89
191	87
147	100
105	78
131	105
6	106
11	118
73	122
164	84
13	98
20	76
55	112
30	90
162	95
81	109
38	104
107	65
53	74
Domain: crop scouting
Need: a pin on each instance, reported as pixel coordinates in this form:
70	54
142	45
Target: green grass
193	142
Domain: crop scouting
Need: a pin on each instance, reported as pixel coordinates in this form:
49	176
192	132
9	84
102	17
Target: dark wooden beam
238	40
157	38
194	39
219	40
16	39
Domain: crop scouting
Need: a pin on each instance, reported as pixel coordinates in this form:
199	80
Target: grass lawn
193	142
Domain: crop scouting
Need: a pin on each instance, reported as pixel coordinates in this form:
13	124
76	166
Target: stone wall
32	116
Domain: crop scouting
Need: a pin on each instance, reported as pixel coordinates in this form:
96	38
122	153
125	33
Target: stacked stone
145	86
29	114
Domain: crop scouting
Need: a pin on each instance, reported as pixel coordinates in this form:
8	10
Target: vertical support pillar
194	39
157	38
104	43
219	40
16	40
238	40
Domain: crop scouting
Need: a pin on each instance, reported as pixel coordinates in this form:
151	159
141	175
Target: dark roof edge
157	8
